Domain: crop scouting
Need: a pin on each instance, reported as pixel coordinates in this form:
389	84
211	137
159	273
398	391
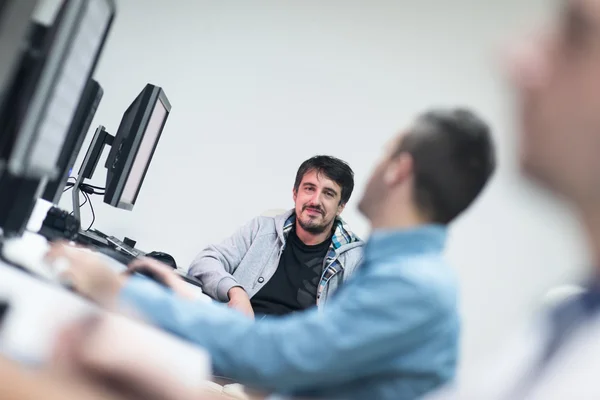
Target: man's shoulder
433	277
352	251
262	224
428	277
267	224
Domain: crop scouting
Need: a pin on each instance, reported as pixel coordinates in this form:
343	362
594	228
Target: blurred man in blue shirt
392	331
556	76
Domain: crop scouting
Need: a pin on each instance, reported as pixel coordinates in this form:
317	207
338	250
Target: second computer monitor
92	94
134	145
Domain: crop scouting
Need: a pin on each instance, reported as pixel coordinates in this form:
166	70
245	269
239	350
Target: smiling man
275	266
391	332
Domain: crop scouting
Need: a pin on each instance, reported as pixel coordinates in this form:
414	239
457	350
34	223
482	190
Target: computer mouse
151	275
163	257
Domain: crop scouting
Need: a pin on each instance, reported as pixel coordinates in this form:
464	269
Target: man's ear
398	169
294	194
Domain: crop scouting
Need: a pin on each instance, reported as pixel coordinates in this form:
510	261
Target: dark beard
314	229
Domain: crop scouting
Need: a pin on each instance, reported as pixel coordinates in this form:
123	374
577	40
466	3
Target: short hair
453	159
333	168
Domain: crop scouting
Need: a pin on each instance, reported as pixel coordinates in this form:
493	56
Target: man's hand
239	300
86	272
164	274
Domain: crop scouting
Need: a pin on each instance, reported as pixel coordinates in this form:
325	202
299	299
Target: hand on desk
164	274
87	350
87	274
92	278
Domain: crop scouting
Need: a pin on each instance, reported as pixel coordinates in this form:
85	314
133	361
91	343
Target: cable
85	188
69	185
94	187
82	204
90	190
87	196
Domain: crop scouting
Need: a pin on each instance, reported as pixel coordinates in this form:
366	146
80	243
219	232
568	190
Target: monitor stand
101	138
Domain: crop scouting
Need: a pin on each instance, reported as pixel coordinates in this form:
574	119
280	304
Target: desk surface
39	310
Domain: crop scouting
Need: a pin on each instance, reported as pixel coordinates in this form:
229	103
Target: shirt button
261	279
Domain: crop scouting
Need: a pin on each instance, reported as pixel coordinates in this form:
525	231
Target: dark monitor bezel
15	21
92	94
67	19
117	177
93	153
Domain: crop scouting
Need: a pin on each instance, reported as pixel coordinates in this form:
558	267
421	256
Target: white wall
257	87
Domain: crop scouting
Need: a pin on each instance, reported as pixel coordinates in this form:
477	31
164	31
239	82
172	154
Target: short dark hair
333	168
453	159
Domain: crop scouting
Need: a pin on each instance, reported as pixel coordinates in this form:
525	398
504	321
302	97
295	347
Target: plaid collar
342	234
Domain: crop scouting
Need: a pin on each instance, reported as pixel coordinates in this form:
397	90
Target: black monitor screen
15	18
134	145
66	61
78	130
144	153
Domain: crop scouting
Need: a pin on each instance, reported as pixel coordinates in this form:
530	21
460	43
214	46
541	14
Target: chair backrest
273	212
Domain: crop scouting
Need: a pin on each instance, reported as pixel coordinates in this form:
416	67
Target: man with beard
275	266
391	332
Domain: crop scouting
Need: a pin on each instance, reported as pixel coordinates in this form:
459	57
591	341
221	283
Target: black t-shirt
293	287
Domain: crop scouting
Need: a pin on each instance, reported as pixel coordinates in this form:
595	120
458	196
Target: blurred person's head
557	75
322	188
431	172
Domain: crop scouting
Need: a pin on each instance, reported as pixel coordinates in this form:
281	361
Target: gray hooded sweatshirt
250	257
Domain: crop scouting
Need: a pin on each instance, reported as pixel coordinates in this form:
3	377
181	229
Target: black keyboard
123	247
90	237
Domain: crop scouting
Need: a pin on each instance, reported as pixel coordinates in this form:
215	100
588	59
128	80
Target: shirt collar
384	243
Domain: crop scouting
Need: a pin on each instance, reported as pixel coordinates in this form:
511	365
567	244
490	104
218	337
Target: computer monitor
16	40
66	60
132	148
134	145
78	130
39	102
15	17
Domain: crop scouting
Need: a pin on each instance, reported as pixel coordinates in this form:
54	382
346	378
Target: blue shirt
391	332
